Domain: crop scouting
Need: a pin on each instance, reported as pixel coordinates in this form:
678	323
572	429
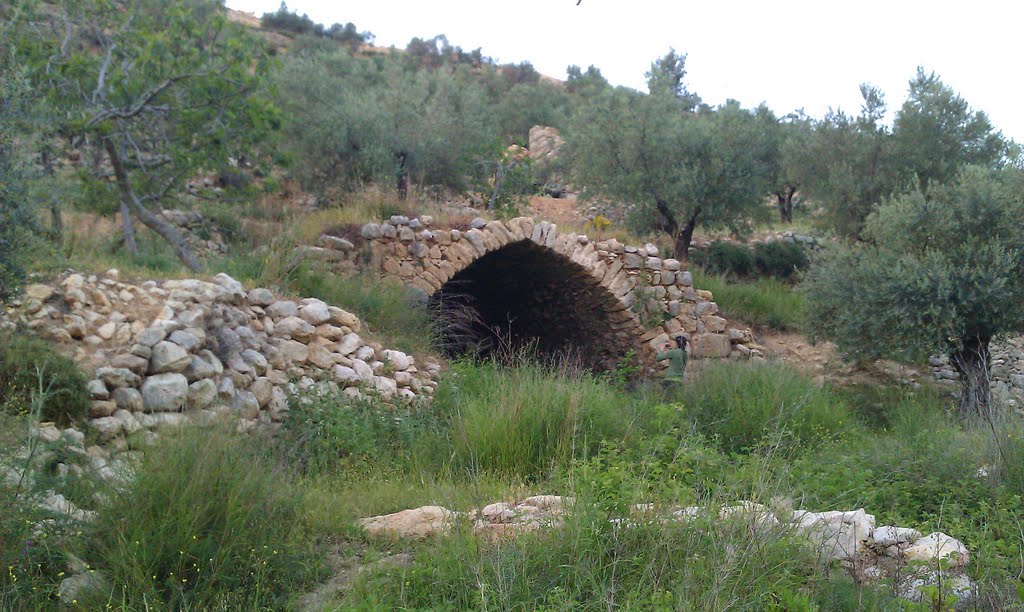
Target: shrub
780	259
31	367
727	258
751	404
209	522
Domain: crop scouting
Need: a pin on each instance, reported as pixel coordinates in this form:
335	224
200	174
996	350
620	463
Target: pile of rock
200	233
545	143
1007	368
849	538
163	353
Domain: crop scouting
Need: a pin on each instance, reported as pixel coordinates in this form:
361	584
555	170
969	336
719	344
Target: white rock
294	328
164	392
314	312
168	357
349	344
201	393
398	359
282	309
938	546
888	535
345	375
416	523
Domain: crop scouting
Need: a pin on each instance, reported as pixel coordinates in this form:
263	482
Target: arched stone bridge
529	283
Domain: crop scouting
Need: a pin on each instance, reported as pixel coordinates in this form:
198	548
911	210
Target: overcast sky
788	53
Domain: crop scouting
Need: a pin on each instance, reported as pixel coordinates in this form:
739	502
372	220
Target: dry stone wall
643	299
1007	367
165	353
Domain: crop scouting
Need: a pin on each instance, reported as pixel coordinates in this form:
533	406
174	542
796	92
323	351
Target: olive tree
17	104
162	89
678	168
938	274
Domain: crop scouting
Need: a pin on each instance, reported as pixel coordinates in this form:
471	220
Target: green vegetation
768	302
211	520
30	370
387	307
941	274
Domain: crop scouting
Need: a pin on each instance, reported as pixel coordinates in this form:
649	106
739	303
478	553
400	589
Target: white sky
789	53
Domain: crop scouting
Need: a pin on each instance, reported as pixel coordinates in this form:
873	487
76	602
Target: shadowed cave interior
525	297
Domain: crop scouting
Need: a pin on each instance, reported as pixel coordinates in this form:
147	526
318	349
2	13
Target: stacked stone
193	225
659	298
849	538
181	350
1007	369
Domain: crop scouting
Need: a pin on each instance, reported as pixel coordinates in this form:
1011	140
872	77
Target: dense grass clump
31	368
524	420
746	405
768	302
210	521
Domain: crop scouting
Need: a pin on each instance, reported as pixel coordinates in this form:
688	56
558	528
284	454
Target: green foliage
679	168
939	270
17	105
31	368
587	565
847	165
386	306
666	78
726	258
780	259
285	20
523	421
743	406
210	521
163	89
766	301
325	432
936	133
358	120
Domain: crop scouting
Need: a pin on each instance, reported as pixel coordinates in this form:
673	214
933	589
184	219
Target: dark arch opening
527	297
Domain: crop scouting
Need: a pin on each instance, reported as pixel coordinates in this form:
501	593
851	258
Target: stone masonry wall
655	297
164	353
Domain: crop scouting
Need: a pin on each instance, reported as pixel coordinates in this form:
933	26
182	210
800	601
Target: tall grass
525	420
743	405
210	521
767	302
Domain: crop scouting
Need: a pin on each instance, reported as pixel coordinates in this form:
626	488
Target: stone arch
525	294
617	297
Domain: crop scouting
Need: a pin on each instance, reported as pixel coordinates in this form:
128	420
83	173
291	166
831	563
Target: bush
747	405
209	522
779	259
726	258
29	367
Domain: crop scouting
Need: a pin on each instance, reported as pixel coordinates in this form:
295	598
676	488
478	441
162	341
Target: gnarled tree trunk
971	361
785	200
128	198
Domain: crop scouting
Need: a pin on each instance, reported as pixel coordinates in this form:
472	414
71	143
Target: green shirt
677	359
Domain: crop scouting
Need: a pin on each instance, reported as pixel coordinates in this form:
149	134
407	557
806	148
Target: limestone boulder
168	357
417	523
165	392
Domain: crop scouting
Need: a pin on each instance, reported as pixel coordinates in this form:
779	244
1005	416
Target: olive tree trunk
971	361
128	198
